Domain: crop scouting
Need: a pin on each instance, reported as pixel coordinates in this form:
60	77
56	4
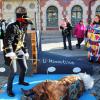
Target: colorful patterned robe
93	43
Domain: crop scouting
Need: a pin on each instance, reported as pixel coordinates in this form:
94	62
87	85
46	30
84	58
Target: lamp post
89	11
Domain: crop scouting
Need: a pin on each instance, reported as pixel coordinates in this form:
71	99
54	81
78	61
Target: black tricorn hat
20	11
21	14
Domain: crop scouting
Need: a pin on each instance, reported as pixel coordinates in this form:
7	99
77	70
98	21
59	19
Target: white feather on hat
87	79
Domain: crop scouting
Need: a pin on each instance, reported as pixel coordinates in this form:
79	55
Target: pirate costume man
15	49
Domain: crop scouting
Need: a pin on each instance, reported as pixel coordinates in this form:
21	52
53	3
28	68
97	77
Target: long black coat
13	35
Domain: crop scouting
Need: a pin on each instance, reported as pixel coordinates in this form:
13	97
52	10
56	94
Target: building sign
52	61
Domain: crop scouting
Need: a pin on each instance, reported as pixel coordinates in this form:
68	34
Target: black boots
10	93
65	47
78	46
24	83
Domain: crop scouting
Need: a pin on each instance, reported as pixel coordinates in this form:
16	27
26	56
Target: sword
13	62
29	59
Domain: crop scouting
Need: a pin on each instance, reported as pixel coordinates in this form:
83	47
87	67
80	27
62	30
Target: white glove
12	55
26	55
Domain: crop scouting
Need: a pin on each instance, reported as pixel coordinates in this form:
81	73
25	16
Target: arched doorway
98	10
76	14
52	16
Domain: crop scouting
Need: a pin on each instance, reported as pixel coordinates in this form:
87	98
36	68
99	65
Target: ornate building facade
52	11
9	9
47	14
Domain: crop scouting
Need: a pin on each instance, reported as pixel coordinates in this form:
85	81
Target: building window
98	10
8	6
52	16
76	14
31	5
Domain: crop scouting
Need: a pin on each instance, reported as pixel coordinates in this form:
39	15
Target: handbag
65	32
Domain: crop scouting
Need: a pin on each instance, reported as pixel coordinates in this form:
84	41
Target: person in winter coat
79	31
66	32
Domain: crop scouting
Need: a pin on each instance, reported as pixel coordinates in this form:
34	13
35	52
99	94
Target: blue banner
63	65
